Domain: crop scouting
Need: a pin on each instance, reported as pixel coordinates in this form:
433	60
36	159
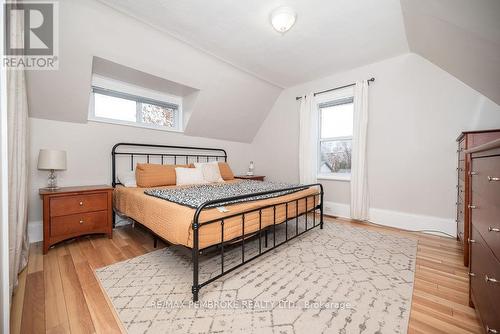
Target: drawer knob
493	229
492	179
491	330
472	206
81	221
471	241
81	203
490	279
471	274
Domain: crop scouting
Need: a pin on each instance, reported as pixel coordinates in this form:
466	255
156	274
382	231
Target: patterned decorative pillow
187	176
210	171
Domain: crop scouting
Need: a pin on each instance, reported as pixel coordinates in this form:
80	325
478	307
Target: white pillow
185	176
127	179
210	170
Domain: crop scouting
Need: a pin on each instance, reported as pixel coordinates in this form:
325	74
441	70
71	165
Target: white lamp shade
52	159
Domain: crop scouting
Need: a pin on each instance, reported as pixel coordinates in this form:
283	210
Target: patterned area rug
341	279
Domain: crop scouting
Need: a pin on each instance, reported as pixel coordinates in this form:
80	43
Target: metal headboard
176	154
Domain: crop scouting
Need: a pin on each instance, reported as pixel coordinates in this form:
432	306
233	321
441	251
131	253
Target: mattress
173	222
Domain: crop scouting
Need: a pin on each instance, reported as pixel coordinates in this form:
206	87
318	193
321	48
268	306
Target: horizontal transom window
119	107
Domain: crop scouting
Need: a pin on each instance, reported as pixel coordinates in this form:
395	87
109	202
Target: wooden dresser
69	212
484	287
467	140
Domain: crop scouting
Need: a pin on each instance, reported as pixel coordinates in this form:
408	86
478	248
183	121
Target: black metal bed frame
215	154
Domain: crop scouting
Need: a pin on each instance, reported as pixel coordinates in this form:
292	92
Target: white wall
230	105
88	148
416	112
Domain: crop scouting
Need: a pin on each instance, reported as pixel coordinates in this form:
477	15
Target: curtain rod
332	89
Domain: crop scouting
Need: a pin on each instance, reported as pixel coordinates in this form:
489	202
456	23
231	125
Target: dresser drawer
460	211
460	228
485	218
461	149
79	223
461	188
485	267
487	177
61	206
461	169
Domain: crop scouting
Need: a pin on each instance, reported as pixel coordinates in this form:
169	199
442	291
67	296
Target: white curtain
17	124
308	139
359	182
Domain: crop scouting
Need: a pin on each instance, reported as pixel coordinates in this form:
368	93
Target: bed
205	225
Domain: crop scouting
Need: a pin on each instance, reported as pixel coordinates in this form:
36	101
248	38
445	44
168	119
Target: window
335	138
122	107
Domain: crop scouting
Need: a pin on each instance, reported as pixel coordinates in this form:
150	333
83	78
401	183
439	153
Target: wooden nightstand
252	177
70	212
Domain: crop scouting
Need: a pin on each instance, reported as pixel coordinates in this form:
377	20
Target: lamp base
52	181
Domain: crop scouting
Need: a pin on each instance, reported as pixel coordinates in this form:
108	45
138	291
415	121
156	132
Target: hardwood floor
58	292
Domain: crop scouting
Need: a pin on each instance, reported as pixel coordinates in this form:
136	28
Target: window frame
341	94
140	96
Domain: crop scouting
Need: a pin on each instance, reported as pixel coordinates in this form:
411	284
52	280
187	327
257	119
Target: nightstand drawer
66	205
79	223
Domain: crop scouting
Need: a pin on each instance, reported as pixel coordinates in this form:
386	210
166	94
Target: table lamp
52	160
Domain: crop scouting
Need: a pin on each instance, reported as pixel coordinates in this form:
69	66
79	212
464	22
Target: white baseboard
337	209
35	231
401	220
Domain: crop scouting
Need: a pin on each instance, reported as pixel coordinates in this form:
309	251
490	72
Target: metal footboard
196	225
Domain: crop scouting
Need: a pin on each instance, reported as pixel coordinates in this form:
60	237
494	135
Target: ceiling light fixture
283	18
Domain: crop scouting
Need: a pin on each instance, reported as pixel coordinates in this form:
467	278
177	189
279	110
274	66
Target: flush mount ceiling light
283	18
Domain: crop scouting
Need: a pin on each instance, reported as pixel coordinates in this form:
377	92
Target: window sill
135	125
346	178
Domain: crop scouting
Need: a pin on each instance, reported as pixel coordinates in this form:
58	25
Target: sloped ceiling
228	52
231	104
329	35
460	36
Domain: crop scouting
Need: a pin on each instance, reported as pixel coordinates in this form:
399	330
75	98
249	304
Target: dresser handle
470	206
491	330
490	279
493	229
491	178
81	221
471	241
81	203
471	274
472	173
